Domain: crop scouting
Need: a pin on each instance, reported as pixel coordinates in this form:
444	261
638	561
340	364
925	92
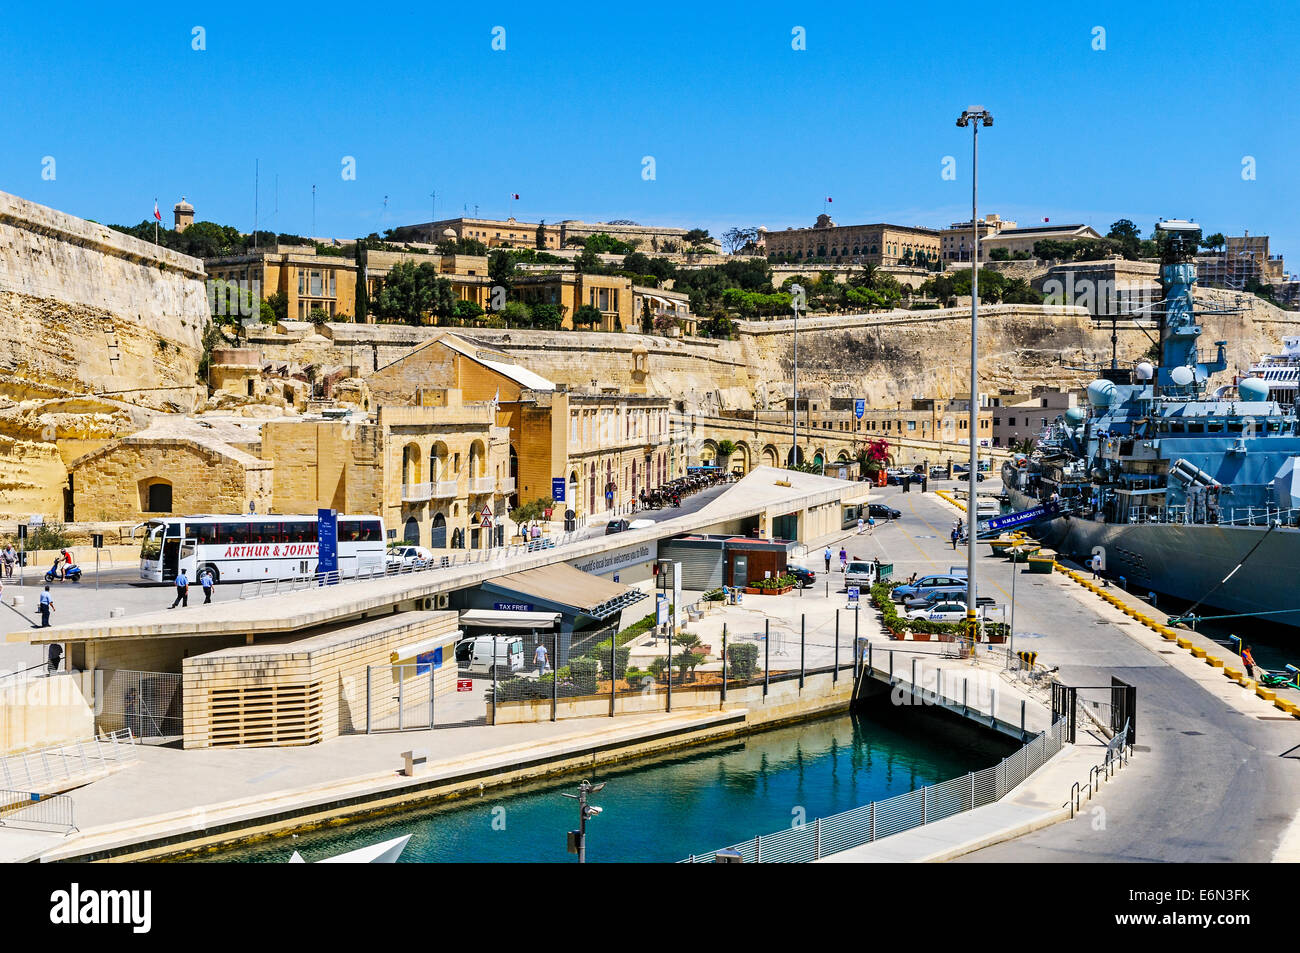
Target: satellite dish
1144	371
1101	392
1252	388
1182	376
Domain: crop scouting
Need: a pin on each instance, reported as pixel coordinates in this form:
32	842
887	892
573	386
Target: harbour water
695	800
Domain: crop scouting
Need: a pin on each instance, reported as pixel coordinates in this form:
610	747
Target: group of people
844	559
958	531
206	579
868	523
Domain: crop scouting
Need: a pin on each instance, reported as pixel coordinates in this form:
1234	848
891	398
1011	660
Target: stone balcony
445	490
507	486
486	484
416	492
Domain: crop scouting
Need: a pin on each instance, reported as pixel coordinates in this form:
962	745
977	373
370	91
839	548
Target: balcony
445	490
507	486
486	484
416	492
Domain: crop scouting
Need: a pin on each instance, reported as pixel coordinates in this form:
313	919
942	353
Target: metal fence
903	812
33	770
399	697
30	810
147	704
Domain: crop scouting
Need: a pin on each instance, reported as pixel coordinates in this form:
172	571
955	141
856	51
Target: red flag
156	214
829	199
1045	219
516	195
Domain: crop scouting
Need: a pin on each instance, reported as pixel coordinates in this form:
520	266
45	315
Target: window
232	533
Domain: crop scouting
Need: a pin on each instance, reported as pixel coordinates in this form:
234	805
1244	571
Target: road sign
22	530
557	489
464	684
854	594
661	610
859	408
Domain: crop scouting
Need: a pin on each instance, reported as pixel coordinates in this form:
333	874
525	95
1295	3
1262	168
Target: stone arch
819	457
438	466
843	457
438	532
771	456
794	455
411	531
743	457
709	450
411	460
477	460
155	495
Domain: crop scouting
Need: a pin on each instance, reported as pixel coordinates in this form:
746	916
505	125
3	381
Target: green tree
501	267
516	314
461	246
318	316
466	311
603	244
279	305
1126	237
548	317
587	316
1214	242
696	236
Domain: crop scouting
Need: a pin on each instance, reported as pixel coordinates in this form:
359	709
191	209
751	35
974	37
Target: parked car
938	473
944	612
913	589
805	577
616	526
403	556
942	595
882	512
476	654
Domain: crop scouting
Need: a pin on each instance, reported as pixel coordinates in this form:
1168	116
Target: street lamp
578	838
974	116
796	291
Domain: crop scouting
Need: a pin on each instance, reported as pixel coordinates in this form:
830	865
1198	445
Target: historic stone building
177	465
958	239
1023	239
605	446
468	274
878	244
431	470
492	232
309	281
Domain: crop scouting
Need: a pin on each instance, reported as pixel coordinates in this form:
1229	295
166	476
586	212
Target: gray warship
1183	487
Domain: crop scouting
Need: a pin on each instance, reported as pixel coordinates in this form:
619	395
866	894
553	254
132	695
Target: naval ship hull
1187	562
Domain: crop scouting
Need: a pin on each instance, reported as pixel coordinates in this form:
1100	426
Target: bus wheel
216	575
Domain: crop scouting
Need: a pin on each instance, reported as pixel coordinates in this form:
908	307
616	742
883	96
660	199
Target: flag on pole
829	199
516	194
156	214
1046	219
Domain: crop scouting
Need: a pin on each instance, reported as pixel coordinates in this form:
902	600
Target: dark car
805	577
616	526
882	512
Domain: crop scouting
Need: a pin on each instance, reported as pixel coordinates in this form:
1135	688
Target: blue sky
743	129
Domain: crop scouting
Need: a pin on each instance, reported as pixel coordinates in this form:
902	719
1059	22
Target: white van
475	655
860	572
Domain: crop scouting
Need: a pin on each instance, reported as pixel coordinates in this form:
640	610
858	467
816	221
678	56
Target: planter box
997	639
920	636
755	591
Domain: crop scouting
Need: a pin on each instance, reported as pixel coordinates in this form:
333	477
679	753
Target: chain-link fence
148	704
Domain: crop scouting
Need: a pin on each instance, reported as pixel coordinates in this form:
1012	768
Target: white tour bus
254	546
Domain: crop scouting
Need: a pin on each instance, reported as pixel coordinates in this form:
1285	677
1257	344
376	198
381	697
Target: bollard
803	620
413	760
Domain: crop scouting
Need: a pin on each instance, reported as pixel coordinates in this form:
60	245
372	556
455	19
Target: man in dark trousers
46	606
182	591
206	581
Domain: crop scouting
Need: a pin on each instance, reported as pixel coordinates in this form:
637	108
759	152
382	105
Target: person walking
861	523
955	536
45	607
182	591
207	581
1095	565
844	560
871	524
827	554
539	659
1248	660
8	558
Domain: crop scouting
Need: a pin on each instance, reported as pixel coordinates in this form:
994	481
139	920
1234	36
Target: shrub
742	660
686	662
48	535
585	671
714	595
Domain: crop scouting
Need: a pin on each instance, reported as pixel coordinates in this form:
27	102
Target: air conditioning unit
444	600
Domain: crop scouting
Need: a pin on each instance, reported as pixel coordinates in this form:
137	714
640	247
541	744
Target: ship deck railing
1215	516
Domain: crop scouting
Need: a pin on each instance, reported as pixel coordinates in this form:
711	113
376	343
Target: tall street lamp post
796	291
974	116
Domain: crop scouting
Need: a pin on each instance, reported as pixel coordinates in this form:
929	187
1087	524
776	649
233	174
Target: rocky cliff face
87	315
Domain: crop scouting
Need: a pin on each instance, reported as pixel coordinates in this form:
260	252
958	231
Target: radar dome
1101	392
1074	416
1252	388
1144	371
1182	376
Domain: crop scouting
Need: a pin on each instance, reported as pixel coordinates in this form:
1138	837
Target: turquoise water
697	800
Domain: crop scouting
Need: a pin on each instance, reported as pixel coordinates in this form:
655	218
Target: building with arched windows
878	244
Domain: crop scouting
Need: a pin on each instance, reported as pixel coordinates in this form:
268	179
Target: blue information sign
327	538
557	489
859	408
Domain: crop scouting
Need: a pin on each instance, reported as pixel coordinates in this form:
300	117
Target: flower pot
920	636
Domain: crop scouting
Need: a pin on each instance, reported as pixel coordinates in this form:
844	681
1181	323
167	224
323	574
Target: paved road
1209	782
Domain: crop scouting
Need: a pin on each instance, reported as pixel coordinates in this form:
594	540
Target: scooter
71	574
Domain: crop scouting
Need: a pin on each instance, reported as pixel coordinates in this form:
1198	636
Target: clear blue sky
743	129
